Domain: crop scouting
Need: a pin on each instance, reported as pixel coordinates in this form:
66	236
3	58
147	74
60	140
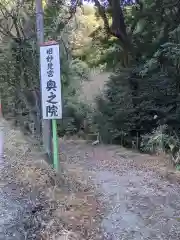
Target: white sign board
50	81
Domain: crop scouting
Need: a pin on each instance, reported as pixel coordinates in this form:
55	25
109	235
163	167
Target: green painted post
55	145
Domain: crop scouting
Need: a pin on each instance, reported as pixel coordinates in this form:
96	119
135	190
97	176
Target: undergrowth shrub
76	118
127	108
162	140
115	111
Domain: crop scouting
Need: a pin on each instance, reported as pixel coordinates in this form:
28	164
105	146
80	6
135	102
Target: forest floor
38	203
140	193
101	192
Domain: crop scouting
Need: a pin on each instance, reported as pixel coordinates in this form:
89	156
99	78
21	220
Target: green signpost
55	145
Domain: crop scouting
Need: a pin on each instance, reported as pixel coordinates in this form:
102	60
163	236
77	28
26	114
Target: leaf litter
41	203
141	193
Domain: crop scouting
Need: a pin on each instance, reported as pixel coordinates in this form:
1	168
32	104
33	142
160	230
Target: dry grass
69	206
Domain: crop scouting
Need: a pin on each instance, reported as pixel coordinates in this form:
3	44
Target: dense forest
137	41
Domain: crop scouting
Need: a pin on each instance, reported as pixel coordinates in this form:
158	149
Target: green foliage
145	80
146	95
161	140
115	109
19	66
158	141
130	104
74	115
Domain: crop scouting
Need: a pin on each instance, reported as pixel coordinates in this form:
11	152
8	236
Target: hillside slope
38	203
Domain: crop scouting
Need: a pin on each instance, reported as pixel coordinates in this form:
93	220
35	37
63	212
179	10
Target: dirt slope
93	87
141	202
38	203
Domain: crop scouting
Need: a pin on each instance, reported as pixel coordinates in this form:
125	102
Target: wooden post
46	124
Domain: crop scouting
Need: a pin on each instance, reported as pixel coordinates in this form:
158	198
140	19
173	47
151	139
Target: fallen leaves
63	205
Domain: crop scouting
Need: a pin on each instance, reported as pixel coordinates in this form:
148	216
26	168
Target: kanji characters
50	73
51	107
49	58
50	51
50	66
51	110
51	85
51	98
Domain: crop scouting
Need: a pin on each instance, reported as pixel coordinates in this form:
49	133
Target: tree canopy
137	40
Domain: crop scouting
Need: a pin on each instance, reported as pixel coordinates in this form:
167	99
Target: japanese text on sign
50	82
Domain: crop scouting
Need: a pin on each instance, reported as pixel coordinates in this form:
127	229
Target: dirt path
140	204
